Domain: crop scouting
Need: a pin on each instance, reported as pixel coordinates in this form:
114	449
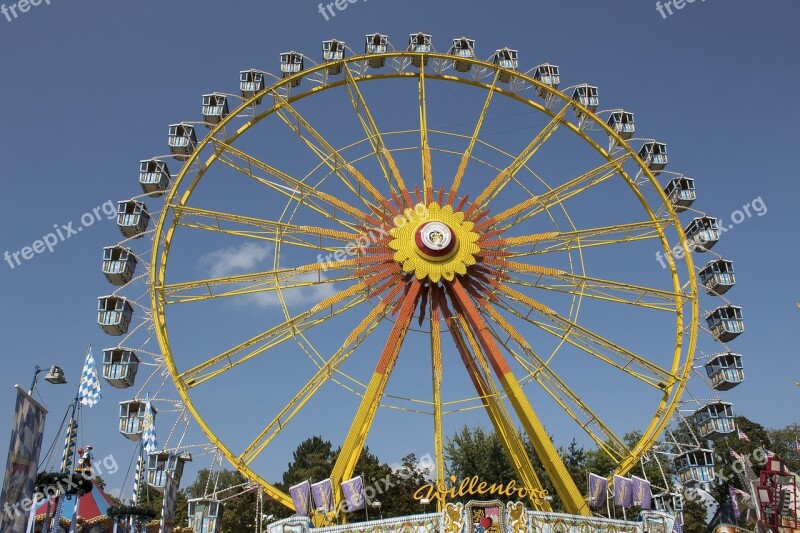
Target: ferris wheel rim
159	263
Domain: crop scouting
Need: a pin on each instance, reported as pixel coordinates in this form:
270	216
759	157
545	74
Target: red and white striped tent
93	509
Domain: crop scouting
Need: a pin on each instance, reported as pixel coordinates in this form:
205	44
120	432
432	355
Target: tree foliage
694	516
240	505
784	443
475	452
313	461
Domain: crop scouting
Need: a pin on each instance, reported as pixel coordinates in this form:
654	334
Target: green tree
240	507
574	458
694	516
784	443
405	482
725	465
474	452
313	460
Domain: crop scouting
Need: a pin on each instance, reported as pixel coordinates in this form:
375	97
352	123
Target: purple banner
598	488
734	501
353	492
22	463
301	497
323	496
642	494
623	495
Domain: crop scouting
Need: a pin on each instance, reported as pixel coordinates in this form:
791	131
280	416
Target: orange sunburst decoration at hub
474	486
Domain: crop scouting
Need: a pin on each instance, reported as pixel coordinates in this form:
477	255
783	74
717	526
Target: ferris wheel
413	233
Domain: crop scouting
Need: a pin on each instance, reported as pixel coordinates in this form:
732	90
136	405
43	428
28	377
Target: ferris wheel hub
434	244
435	241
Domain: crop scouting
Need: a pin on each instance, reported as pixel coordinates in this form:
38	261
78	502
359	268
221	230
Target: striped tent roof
93	505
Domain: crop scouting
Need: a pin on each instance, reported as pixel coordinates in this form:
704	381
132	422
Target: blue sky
89	89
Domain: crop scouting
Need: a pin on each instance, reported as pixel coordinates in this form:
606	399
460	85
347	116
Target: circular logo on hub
436	236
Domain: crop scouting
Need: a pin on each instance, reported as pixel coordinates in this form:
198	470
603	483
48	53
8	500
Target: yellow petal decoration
413	255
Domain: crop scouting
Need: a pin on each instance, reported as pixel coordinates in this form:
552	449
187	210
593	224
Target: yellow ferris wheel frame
485	351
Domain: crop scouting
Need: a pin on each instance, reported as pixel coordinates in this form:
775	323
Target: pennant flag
770	455
734	502
353	492
598	487
735	455
89	392
32	514
642	493
73	523
742	435
301	497
23	461
149	443
57	514
168	505
623	495
138	480
322	493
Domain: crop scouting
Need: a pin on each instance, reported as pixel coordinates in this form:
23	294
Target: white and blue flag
89	392
149	429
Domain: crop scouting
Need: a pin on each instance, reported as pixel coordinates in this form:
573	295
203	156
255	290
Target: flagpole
364	495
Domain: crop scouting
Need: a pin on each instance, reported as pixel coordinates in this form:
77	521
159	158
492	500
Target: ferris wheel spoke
357	435
427	171
219	364
570	494
556	280
537	204
588	341
382	154
437	372
508	173
555	387
479	371
323	375
294	189
331	157
255	283
269	230
560	241
465	158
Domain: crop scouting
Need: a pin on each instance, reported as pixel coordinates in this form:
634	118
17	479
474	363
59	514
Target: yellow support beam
357	435
567	490
427	177
436	376
480	374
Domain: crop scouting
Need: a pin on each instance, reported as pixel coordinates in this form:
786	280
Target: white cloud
253	257
235	259
309	295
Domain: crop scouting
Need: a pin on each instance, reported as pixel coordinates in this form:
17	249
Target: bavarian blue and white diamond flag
23	461
168	505
149	429
89	392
